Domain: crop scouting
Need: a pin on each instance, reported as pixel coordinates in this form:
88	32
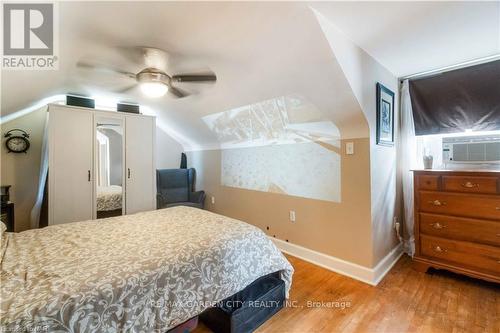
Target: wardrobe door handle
88	175
128	173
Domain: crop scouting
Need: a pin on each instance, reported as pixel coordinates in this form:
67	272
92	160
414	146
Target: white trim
385	265
203	147
371	276
37	106
464	64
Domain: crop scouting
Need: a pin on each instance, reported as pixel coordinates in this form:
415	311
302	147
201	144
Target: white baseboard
385	265
371	276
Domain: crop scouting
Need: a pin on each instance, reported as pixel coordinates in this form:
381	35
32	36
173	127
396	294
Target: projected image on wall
282	145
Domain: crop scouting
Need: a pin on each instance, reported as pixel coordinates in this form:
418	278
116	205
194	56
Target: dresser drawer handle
470	185
437	225
437	203
439	249
497	208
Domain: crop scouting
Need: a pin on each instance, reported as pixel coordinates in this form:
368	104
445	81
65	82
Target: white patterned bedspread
109	198
146	272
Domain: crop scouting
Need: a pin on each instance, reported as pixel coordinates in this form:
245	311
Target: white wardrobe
77	168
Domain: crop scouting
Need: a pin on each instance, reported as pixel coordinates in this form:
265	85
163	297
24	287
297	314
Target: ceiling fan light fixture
153	81
154	89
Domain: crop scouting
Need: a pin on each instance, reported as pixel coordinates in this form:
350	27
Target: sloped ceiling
259	51
409	37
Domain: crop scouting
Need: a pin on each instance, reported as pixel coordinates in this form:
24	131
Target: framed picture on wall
385	116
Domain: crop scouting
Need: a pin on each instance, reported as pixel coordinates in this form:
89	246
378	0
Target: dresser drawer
487	185
428	182
459	228
457	204
470	255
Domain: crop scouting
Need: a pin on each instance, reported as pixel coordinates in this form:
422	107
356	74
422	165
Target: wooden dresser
457	222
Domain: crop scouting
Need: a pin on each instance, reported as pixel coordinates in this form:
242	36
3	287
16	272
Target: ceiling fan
153	80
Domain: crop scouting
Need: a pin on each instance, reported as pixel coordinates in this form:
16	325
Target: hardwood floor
405	301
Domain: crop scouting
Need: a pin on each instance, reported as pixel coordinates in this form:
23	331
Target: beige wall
360	228
338	229
22	170
363	72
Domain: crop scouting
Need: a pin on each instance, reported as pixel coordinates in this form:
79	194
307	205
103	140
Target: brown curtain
450	102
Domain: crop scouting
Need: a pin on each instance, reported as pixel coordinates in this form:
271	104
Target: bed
109	201
144	272
109	198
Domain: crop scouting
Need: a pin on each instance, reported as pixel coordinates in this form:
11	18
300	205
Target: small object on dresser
428	159
4	193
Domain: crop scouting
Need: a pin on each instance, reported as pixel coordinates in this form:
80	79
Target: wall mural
282	145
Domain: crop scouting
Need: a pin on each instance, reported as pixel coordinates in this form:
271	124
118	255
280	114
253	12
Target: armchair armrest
160	203
197	197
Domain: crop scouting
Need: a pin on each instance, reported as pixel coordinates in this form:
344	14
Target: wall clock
17	143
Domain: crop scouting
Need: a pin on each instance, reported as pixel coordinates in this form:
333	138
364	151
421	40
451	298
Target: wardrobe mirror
109	167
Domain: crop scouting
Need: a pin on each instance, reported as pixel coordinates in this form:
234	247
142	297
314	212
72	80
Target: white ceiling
259	51
410	37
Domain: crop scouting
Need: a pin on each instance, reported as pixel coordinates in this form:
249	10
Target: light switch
349	148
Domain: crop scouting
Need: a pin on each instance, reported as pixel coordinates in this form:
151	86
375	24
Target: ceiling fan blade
194	78
177	92
104	69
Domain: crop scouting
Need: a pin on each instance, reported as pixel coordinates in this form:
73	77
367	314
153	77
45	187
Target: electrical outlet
213	200
292	215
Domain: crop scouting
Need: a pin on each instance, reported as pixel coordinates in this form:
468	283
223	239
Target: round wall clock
17	143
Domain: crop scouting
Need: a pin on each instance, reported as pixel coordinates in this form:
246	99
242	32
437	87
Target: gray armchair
175	187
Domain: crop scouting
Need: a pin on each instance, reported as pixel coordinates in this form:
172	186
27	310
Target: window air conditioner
472	149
